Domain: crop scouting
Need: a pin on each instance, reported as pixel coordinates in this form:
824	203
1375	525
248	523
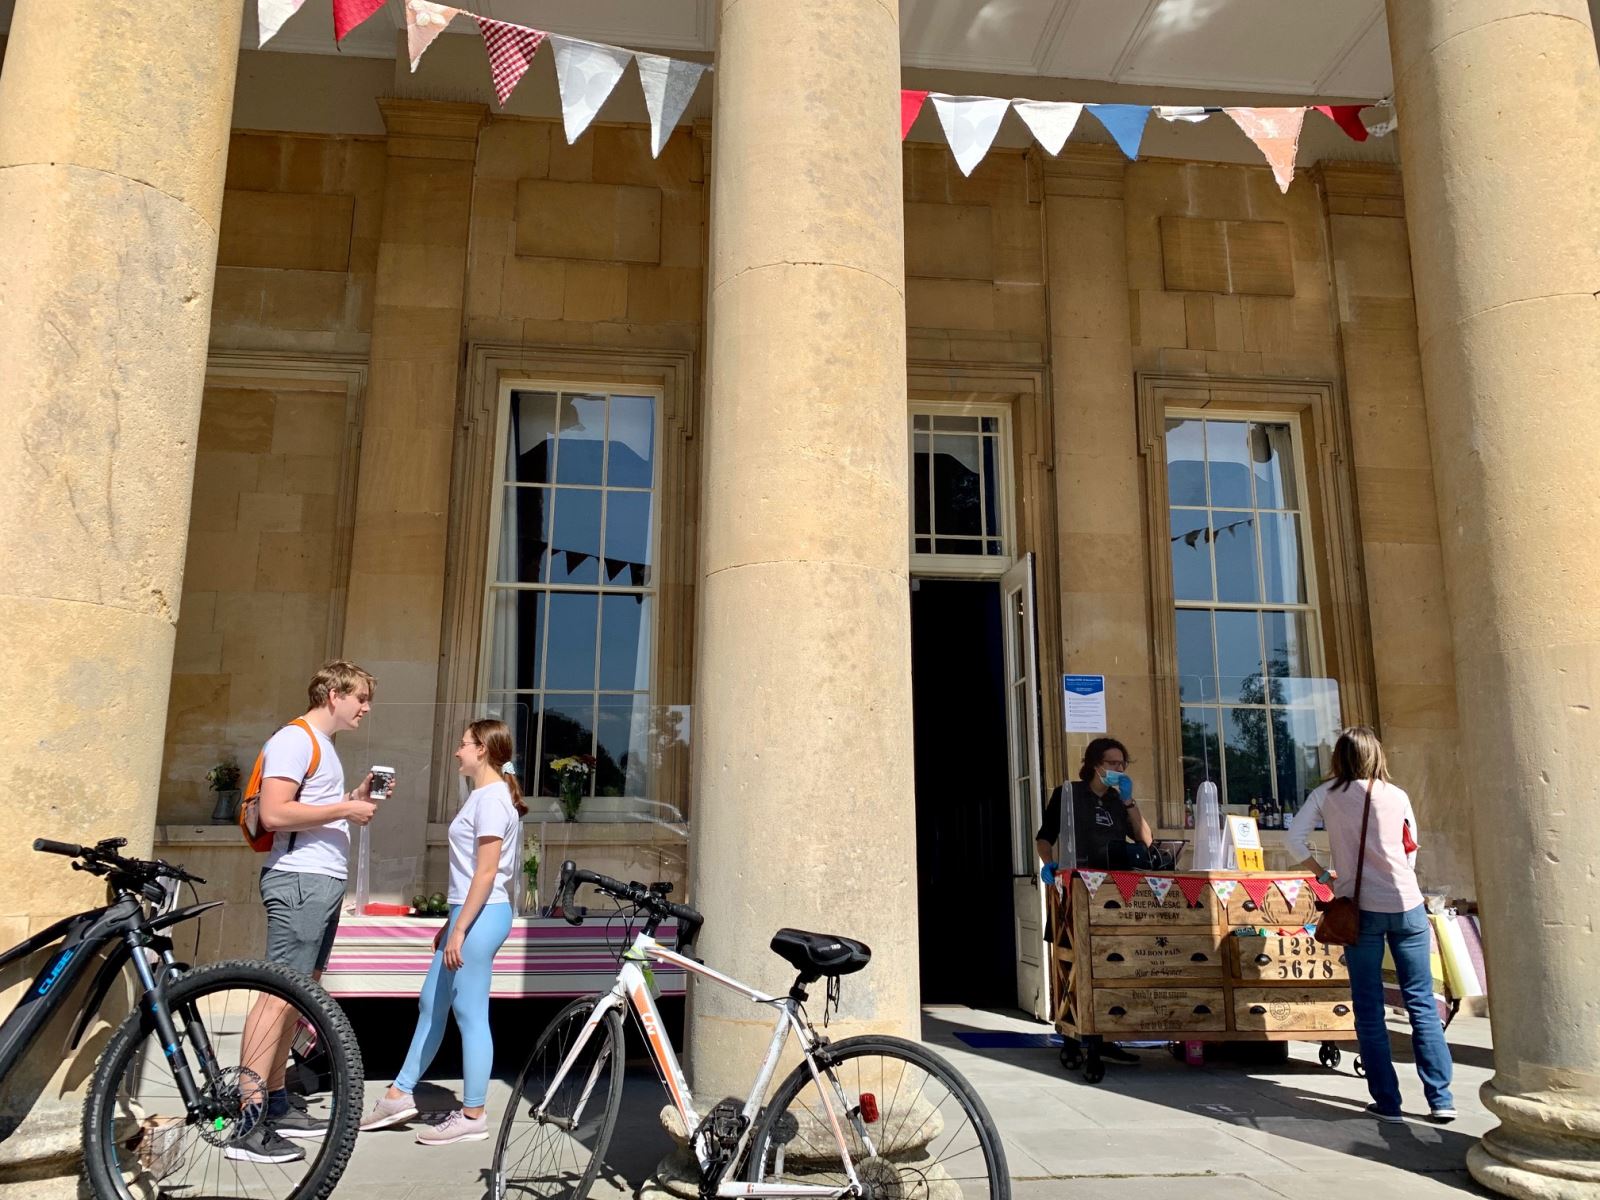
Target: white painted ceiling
1325	48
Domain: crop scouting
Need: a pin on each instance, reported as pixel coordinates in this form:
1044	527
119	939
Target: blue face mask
1116	779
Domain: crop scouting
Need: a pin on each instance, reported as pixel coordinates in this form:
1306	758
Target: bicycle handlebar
102	858
648	898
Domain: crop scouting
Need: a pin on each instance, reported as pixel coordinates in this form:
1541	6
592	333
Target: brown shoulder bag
1341	917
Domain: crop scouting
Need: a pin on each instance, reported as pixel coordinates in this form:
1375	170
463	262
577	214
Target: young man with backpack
297	795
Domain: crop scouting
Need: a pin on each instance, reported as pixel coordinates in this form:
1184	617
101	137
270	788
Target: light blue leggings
466	992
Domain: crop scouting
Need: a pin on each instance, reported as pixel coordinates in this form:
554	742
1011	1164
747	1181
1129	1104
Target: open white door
1022	717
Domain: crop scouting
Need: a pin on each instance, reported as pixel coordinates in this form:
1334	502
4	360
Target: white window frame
602	806
967	566
1312	607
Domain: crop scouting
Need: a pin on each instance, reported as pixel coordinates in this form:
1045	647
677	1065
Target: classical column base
1543	1149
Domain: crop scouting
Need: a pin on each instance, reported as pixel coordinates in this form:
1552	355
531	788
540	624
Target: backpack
258	835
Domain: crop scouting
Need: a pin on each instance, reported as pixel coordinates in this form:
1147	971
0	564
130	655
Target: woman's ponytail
495	738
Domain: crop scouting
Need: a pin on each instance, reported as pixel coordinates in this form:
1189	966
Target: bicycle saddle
819	955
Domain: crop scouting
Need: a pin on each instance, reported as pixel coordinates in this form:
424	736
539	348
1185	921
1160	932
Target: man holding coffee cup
304	803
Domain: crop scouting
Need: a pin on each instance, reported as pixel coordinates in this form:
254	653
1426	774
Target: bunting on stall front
1127	883
425	21
1092	881
1159	886
1290	890
586	75
1257	889
1320	890
1224	890
1192	887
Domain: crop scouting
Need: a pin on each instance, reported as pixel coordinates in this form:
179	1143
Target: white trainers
387	1112
456	1127
1387	1118
1442	1115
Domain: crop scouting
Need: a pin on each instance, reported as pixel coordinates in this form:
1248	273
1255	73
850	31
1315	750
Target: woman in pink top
1392	914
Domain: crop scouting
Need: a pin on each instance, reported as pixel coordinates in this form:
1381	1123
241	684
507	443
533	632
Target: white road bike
878	1118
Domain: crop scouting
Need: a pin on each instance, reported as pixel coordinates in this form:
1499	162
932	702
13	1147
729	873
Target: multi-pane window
572	592
1254	707
957	482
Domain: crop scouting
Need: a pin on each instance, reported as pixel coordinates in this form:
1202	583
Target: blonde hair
338	678
1358	755
495	738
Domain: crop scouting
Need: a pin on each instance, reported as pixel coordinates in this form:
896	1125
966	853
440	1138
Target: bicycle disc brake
230	1118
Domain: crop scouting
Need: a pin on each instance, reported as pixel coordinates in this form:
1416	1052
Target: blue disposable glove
1047	873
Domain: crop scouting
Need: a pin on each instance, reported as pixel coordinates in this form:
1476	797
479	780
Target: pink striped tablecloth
544	956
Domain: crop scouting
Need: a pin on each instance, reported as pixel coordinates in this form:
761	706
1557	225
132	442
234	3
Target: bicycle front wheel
913	1127
142	1139
557	1153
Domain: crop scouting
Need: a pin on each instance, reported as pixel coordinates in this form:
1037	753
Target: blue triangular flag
1124	122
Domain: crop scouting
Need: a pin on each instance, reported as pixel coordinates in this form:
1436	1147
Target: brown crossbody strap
1361	850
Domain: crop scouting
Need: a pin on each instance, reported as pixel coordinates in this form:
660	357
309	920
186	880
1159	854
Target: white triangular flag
1050	121
1092	881
270	16
970	124
1224	889
1191	113
587	73
1290	889
669	85
1159	886
425	21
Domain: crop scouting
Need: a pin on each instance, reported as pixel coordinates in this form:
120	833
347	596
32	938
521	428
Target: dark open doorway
968	945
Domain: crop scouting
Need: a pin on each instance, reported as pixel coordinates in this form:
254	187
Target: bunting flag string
1256	889
1159	886
347	14
1092	881
425	20
1127	883
586	75
669	85
1224	890
270	16
511	49
971	124
1290	890
1320	890
1192	887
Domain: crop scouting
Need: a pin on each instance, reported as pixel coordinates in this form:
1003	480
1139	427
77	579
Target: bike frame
632	988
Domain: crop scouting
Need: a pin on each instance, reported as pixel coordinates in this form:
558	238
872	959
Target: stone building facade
318	338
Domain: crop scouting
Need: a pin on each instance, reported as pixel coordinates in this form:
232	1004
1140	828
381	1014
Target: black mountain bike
181	1086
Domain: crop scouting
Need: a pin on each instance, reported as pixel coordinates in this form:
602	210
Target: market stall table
1162	956
544	956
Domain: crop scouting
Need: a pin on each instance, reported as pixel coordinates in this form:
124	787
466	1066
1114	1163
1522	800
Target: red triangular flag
1347	117
1127	883
1257	890
1192	887
910	106
1320	890
511	49
347	14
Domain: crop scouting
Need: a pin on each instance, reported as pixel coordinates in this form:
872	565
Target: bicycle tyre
102	1169
553	1043
882	1178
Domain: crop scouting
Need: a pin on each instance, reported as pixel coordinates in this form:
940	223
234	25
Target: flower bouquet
572	776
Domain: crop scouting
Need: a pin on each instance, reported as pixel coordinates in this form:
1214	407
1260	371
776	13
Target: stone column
1502	180
803	808
114	122
397	554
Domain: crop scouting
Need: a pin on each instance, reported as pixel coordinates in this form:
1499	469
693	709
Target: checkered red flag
1127	883
1257	890
511	49
347	14
1192	887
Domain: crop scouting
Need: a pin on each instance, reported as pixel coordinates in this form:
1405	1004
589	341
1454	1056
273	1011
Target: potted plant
572	777
224	781
530	875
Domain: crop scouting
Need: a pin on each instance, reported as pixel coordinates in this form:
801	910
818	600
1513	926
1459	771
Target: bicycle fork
166	1028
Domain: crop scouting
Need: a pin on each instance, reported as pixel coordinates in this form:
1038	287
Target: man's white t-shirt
488	812
324	850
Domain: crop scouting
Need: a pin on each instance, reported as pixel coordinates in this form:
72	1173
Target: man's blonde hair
338	678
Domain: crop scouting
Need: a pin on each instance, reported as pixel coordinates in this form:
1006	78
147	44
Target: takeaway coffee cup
382	782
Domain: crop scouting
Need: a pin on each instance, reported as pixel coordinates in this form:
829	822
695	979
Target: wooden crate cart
1143	969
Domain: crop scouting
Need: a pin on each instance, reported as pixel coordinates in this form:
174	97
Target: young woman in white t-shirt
483	854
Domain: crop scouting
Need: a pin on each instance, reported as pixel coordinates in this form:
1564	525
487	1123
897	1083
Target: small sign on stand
1242	845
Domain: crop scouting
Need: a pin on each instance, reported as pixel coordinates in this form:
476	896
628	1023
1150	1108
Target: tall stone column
114	120
803	809
1502	179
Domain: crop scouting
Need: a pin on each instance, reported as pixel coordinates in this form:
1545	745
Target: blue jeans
467	993
1408	939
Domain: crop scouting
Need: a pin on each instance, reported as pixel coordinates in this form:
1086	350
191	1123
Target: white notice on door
1084	701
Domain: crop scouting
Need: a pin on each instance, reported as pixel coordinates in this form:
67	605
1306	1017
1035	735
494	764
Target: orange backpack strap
316	750
258	835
